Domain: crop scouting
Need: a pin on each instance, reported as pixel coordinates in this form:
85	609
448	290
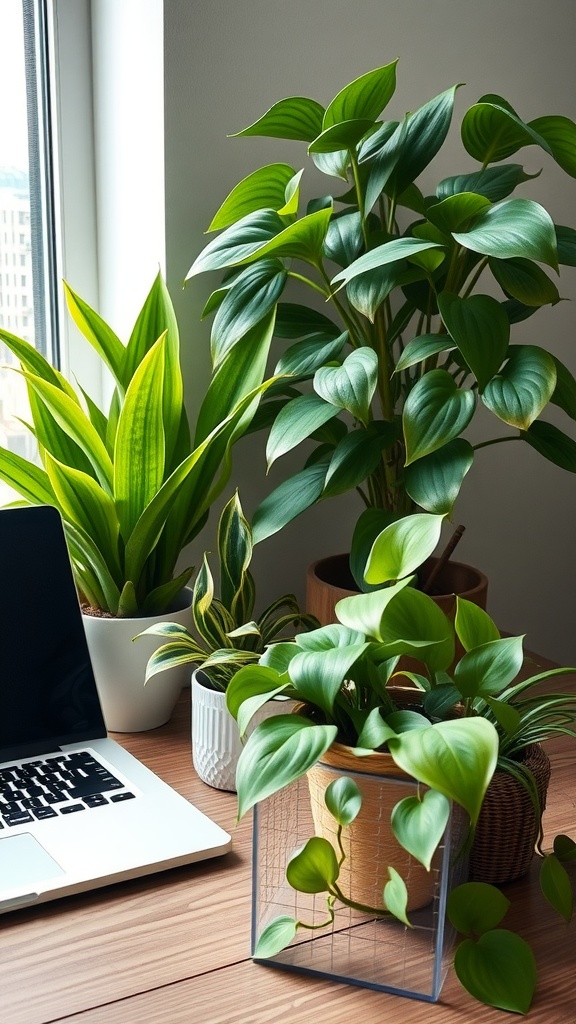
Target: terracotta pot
329	580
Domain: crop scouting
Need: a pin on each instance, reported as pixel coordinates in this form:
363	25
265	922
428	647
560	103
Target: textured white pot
216	742
120	669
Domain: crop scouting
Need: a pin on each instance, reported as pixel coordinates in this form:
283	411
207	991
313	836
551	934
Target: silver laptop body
77	811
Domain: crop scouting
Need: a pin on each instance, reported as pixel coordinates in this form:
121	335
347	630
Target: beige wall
226	61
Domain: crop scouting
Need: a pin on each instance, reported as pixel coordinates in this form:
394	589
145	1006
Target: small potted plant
226	637
133	486
425	287
449	731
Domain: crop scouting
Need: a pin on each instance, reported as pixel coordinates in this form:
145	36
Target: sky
13	124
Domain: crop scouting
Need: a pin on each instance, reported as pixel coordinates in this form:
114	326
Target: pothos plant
341	673
226	635
414	290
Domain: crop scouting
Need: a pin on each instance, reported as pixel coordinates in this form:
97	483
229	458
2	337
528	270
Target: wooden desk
173	948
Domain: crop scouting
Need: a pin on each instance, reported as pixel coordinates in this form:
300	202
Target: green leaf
343	799
367	292
234	554
318	675
523	388
422	347
352	385
414	624
402	547
369	524
279	751
434	481
364	612
29	480
288	500
252	297
338	137
395	896
391	252
494	183
263	189
436	411
238	242
84	502
525	281
492	131
275	937
356	456
499	970
481	331
457	758
315	868
490	668
476	907
454	212
344	238
556	886
566	241
473	625
552	443
296	321
419	824
296	117
514	227
365	97
426	131
560	135
305	357
295	422
375	731
564	847
565	391
102	338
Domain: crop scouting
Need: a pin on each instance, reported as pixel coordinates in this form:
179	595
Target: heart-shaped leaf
454	212
402	547
434	482
525	281
264	189
352	385
375	732
364	612
395	896
343	799
421	348
481	331
491	131
436	411
314	868
365	97
499	970
419	824
490	668
318	675
476	907
275	936
474	626
519	393
514	227
415	622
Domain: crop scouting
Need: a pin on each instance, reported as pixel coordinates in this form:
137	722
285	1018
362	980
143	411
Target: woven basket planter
508	827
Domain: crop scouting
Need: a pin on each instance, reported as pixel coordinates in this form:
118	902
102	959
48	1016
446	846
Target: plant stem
327	294
496	440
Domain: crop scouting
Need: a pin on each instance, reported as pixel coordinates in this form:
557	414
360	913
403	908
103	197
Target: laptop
77	811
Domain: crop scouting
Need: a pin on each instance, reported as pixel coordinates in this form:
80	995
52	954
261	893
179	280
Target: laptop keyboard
59	784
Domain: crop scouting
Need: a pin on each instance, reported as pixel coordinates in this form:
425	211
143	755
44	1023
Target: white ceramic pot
216	743
120	668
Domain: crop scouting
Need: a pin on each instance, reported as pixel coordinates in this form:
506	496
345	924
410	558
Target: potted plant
226	637
133	486
420	287
450	732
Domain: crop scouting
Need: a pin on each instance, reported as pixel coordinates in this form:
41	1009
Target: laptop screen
48	694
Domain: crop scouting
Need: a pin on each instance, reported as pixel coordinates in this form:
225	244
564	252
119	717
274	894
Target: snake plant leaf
566	242
436	411
318	675
391	252
365	97
455	212
499	970
343	799
402	547
172	655
264	189
350	386
481	331
281	750
422	347
414	624
98	333
94	570
556	886
426	131
314	868
296	117
474	908
494	183
514	227
419	824
252	297
139	453
303	358
473	625
71	418
434	481
490	668
355	457
296	421
395	896
364	612
560	135
296	321
343	136
31	481
552	443
492	131
234	551
525	281
275	937
33	361
457	758
239	241
83	502
525	385
288	500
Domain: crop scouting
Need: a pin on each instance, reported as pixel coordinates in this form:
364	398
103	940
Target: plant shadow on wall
412	342
449	730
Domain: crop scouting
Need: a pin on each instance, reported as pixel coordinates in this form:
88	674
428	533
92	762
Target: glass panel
27	277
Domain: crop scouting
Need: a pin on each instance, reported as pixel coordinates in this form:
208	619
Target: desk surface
174	947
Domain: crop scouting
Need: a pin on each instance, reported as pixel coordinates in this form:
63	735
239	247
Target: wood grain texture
174	947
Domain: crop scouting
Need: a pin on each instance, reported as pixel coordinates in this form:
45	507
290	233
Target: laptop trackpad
24	863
